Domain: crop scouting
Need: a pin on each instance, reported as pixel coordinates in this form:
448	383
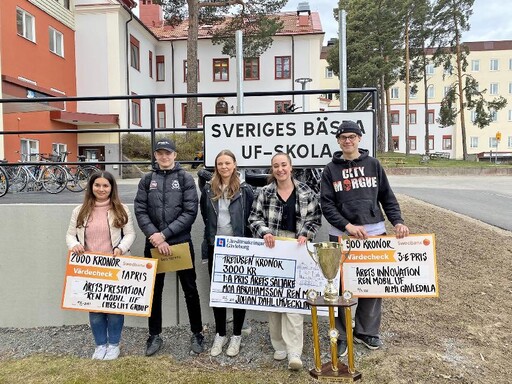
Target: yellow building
490	63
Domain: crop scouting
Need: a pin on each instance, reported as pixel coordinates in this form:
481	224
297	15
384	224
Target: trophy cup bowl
327	255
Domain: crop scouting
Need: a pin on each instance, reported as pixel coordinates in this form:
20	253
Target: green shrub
137	146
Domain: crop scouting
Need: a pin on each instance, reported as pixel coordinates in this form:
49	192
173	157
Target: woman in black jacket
225	206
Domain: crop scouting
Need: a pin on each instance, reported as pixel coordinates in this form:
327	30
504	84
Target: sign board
97	282
247	274
307	137
384	266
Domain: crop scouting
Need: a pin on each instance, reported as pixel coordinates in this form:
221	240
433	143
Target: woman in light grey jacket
102	224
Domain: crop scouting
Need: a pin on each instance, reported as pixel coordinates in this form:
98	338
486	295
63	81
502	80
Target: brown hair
234	182
120	215
271	177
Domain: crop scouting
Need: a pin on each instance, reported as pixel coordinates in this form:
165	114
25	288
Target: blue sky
490	20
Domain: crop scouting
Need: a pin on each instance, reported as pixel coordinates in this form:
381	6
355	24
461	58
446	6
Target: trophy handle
347	254
312	254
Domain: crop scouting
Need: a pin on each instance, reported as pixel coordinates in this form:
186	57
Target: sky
490	19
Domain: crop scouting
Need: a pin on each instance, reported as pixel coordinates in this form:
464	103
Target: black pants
220	313
187	279
368	315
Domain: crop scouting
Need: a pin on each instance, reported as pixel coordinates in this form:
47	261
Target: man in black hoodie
354	191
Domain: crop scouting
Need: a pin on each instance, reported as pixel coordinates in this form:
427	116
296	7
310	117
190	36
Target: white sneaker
234	346
294	361
246	329
113	352
99	352
218	344
280	355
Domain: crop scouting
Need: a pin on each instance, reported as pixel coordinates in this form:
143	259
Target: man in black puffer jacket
165	208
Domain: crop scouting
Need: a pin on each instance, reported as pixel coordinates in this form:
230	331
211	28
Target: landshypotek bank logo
221	242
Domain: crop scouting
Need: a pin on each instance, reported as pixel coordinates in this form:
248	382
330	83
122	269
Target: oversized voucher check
97	282
247	274
384	266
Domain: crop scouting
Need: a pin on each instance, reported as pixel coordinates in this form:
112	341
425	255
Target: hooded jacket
166	202
239	210
354	191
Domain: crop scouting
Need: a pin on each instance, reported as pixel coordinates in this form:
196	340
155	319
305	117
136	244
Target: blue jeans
106	327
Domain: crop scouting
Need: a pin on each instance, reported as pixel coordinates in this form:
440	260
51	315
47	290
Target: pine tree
451	20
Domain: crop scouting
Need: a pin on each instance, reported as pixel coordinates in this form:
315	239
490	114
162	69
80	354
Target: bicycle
4	180
50	177
76	175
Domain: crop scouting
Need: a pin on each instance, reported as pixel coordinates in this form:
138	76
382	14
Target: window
412	117
184	113
493	143
329	74
473	116
220	69
494	65
252	68
475	65
510	88
395	93
281	106
446	89
431	143
510	115
185	71
396	143
282	67
493	89
160	68
58	148
25	24
160	112
395	117
429	69
136	111
431	92
134	53
56	42
447	141
412	143
448	71
509	142
413	93
150	62
28	149
431	116
510	64
327	96
493	114
473	143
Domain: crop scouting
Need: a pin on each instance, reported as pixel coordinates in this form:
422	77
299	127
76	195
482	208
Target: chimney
150	13
303	7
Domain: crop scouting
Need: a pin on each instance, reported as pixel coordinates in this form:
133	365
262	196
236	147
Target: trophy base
342	375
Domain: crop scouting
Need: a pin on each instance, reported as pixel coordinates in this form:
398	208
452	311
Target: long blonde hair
234	182
119	214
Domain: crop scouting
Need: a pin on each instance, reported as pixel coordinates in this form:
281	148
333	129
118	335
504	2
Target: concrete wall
32	264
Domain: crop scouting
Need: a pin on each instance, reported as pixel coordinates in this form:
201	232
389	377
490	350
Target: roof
292	25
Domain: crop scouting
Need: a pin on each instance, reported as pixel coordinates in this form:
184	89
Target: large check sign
96	282
246	274
384	266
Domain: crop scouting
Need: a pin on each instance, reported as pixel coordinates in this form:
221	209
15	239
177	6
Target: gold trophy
329	257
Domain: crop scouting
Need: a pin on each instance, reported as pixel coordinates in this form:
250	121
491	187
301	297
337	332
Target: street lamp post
303	81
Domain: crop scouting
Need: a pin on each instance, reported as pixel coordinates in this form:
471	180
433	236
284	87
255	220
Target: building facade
490	63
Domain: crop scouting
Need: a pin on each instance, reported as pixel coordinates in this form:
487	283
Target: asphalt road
485	198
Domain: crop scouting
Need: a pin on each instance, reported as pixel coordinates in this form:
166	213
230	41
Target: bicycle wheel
18	178
4	182
54	179
77	181
89	169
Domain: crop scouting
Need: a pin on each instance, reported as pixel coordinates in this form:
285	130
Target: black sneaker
342	348
153	344
197	343
371	342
